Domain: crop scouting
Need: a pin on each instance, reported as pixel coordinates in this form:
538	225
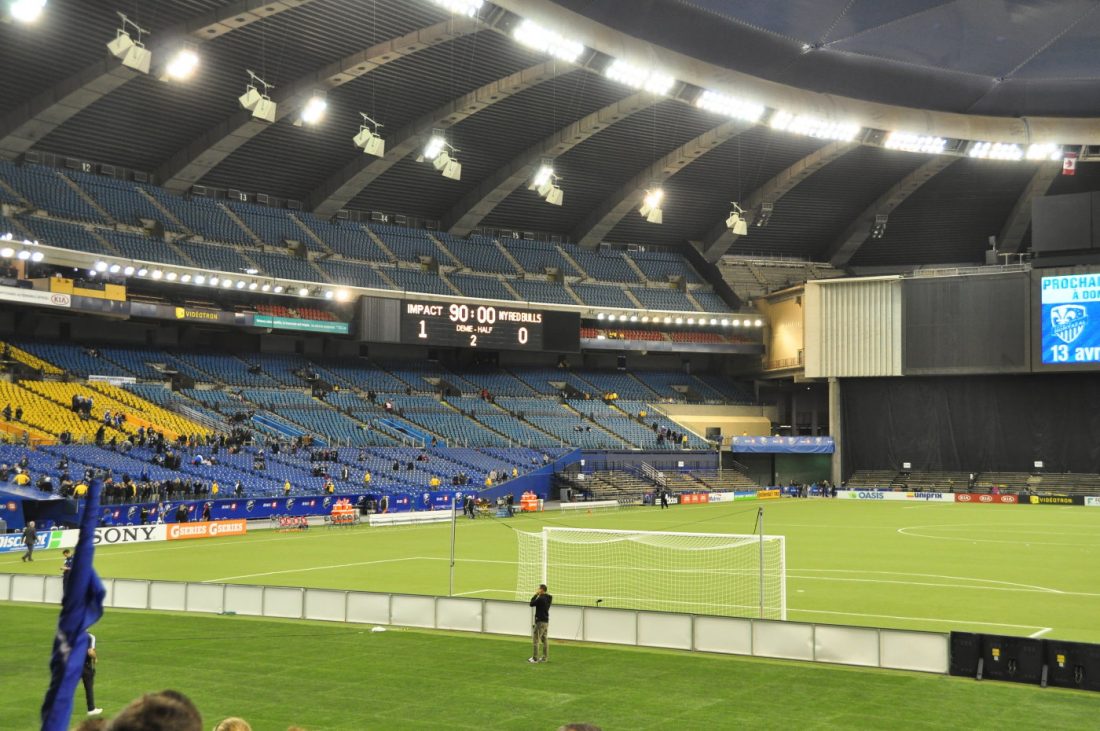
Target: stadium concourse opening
430	302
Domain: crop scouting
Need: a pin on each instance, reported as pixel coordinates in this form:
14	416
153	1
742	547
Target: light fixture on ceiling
303	291
879	229
545	184
651	204
129	50
256	101
637	77
468	8
736	222
764	217
811	126
531	34
368	139
182	65
438	151
735	107
996	151
26	11
1044	151
313	111
907	142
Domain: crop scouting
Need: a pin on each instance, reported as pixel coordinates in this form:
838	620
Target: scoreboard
490	327
1070	319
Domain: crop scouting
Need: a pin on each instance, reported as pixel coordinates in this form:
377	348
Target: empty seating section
606	266
284	266
30	359
456	429
218	258
416	281
273	226
204	217
407	244
363	375
352	274
663	381
536	258
650	335
44	415
659	266
63	235
578	432
121	200
621	383
482	287
472	405
518	432
478	253
498	383
73	358
226	369
523	406
729	390
531	290
46	189
116	400
345	238
137	361
541	380
710	301
696	337
603	296
143	248
663	299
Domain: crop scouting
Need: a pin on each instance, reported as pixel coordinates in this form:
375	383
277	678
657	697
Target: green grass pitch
1003	569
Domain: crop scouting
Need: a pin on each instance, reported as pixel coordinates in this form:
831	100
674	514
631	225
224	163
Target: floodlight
7	252
257	102
26	11
759	323
436	145
342	295
265	288
764	217
736	221
651	205
241	284
100	266
453	170
908	142
645	79
313	111
182	65
200	279
805	124
329	294
468	8
735	107
129	50
725	322
679	321
37	256
668	320
253	286
555	196
691	320
227	283
303	291
142	272
128	271
368	139
598	317
24	255
543	176
612	317
879	229
1044	151
440	161
278	289
186	278
713	321
157	274
115	268
171	276
214	281
645	318
996	151
534	36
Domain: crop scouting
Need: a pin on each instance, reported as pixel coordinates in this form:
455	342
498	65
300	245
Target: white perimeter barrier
589	505
864	646
409	518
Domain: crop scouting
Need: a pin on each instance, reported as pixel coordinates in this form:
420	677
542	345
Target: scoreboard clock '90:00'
464	325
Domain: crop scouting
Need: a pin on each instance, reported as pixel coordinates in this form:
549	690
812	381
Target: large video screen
1070	319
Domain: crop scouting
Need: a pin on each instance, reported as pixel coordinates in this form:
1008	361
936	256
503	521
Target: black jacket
541	603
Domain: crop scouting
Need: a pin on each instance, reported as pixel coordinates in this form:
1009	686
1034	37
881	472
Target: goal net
694	573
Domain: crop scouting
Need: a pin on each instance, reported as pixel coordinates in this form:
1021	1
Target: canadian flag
1069	164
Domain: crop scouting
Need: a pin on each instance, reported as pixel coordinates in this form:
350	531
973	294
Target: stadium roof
971	70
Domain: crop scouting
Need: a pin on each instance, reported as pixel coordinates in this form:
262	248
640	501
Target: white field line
1041	632
349	565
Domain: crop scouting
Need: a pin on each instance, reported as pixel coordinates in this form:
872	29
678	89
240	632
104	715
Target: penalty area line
1040	633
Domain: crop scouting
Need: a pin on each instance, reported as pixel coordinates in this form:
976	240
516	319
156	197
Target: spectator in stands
7	412
22	479
99	435
206	512
167	710
19	413
286	487
107	417
44	483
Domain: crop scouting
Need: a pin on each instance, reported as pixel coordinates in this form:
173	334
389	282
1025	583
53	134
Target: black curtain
973	423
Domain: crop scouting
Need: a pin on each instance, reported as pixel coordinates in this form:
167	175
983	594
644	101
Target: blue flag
81	607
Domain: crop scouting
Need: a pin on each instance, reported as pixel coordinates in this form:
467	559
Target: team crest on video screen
1067	322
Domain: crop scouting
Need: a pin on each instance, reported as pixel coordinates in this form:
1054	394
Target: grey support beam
1012	235
480	202
189	165
341	187
845	247
607	214
719	239
30	122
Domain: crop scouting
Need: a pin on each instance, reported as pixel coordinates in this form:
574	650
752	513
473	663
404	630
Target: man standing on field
541	602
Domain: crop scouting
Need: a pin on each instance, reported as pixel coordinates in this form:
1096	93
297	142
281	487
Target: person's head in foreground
233	724
167	710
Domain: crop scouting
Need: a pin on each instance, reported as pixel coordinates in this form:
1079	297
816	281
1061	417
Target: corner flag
81	607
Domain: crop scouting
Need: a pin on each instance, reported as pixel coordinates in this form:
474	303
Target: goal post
695	573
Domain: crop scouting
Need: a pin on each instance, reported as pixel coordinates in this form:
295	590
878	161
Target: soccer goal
694	573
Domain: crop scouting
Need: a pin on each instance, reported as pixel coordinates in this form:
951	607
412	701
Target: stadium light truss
545	184
368	139
534	36
638	77
182	65
26	11
313	111
811	126
257	102
438	151
907	142
729	106
128	49
651	208
996	151
736	222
